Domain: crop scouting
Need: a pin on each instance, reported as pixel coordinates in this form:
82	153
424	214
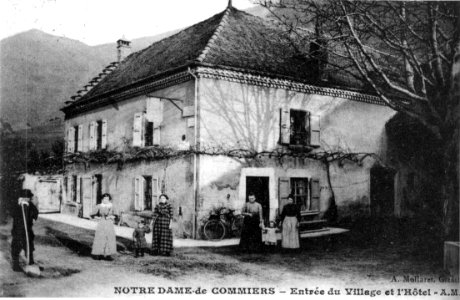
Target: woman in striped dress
162	239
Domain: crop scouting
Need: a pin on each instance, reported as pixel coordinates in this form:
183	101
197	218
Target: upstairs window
98	135
299	128
78	137
147	125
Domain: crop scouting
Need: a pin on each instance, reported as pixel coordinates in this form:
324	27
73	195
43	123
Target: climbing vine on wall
132	154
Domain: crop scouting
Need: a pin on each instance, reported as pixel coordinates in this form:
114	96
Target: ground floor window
306	192
299	187
98	188
74	188
148	192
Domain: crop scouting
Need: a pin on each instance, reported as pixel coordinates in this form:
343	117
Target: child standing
270	236
139	238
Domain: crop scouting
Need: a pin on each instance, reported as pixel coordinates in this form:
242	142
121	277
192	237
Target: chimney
123	49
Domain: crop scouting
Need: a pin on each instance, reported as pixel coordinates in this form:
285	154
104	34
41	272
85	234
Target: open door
382	191
259	186
86	191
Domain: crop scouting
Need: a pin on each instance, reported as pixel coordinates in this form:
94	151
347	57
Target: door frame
87	207
272	192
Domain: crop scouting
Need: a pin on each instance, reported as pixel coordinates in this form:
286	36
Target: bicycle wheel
214	230
237	225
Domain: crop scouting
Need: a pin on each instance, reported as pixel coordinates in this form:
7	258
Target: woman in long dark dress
162	239
290	218
251	234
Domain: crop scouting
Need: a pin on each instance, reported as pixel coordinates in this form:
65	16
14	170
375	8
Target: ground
346	261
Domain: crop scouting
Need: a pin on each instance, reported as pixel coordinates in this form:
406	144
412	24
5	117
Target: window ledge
309	213
302	147
71	203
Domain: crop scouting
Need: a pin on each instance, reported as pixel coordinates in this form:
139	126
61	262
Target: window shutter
68	188
139	193
78	189
67	140
307	125
137	130
92	135
155	191
156	136
315	194
71	145
104	134
315	130
80	138
285	124
284	189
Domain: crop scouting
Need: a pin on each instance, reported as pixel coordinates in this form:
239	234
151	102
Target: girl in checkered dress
162	234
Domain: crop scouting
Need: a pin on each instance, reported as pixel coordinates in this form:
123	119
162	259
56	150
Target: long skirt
251	234
290	233
162	239
104	239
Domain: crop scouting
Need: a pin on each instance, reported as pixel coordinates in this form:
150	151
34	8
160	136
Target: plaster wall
239	116
174	177
120	117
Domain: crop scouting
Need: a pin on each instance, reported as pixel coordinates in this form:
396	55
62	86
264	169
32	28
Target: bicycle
221	223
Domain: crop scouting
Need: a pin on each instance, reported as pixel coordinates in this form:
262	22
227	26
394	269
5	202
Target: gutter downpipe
195	158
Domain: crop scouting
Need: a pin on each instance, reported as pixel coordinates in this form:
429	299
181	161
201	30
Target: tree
407	53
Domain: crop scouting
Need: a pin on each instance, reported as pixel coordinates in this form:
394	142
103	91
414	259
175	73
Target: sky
96	22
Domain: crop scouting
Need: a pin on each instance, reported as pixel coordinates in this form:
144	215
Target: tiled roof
231	39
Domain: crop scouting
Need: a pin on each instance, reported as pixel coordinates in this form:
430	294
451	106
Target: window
76	138
98	182
299	188
299	128
306	192
149	134
148	192
74	188
99	135
147	124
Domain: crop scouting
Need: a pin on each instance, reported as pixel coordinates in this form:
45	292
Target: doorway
259	187
382	191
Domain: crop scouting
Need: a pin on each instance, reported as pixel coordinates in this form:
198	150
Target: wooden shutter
92	135
104	134
137	130
284	189
314	130
68	187
155	191
67	140
315	193
87	195
78	189
285	126
307	126
139	193
156	136
80	138
71	142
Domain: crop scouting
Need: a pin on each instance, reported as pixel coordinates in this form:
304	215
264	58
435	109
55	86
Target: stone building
253	112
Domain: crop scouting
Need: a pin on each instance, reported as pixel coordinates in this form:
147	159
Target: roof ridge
215	35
